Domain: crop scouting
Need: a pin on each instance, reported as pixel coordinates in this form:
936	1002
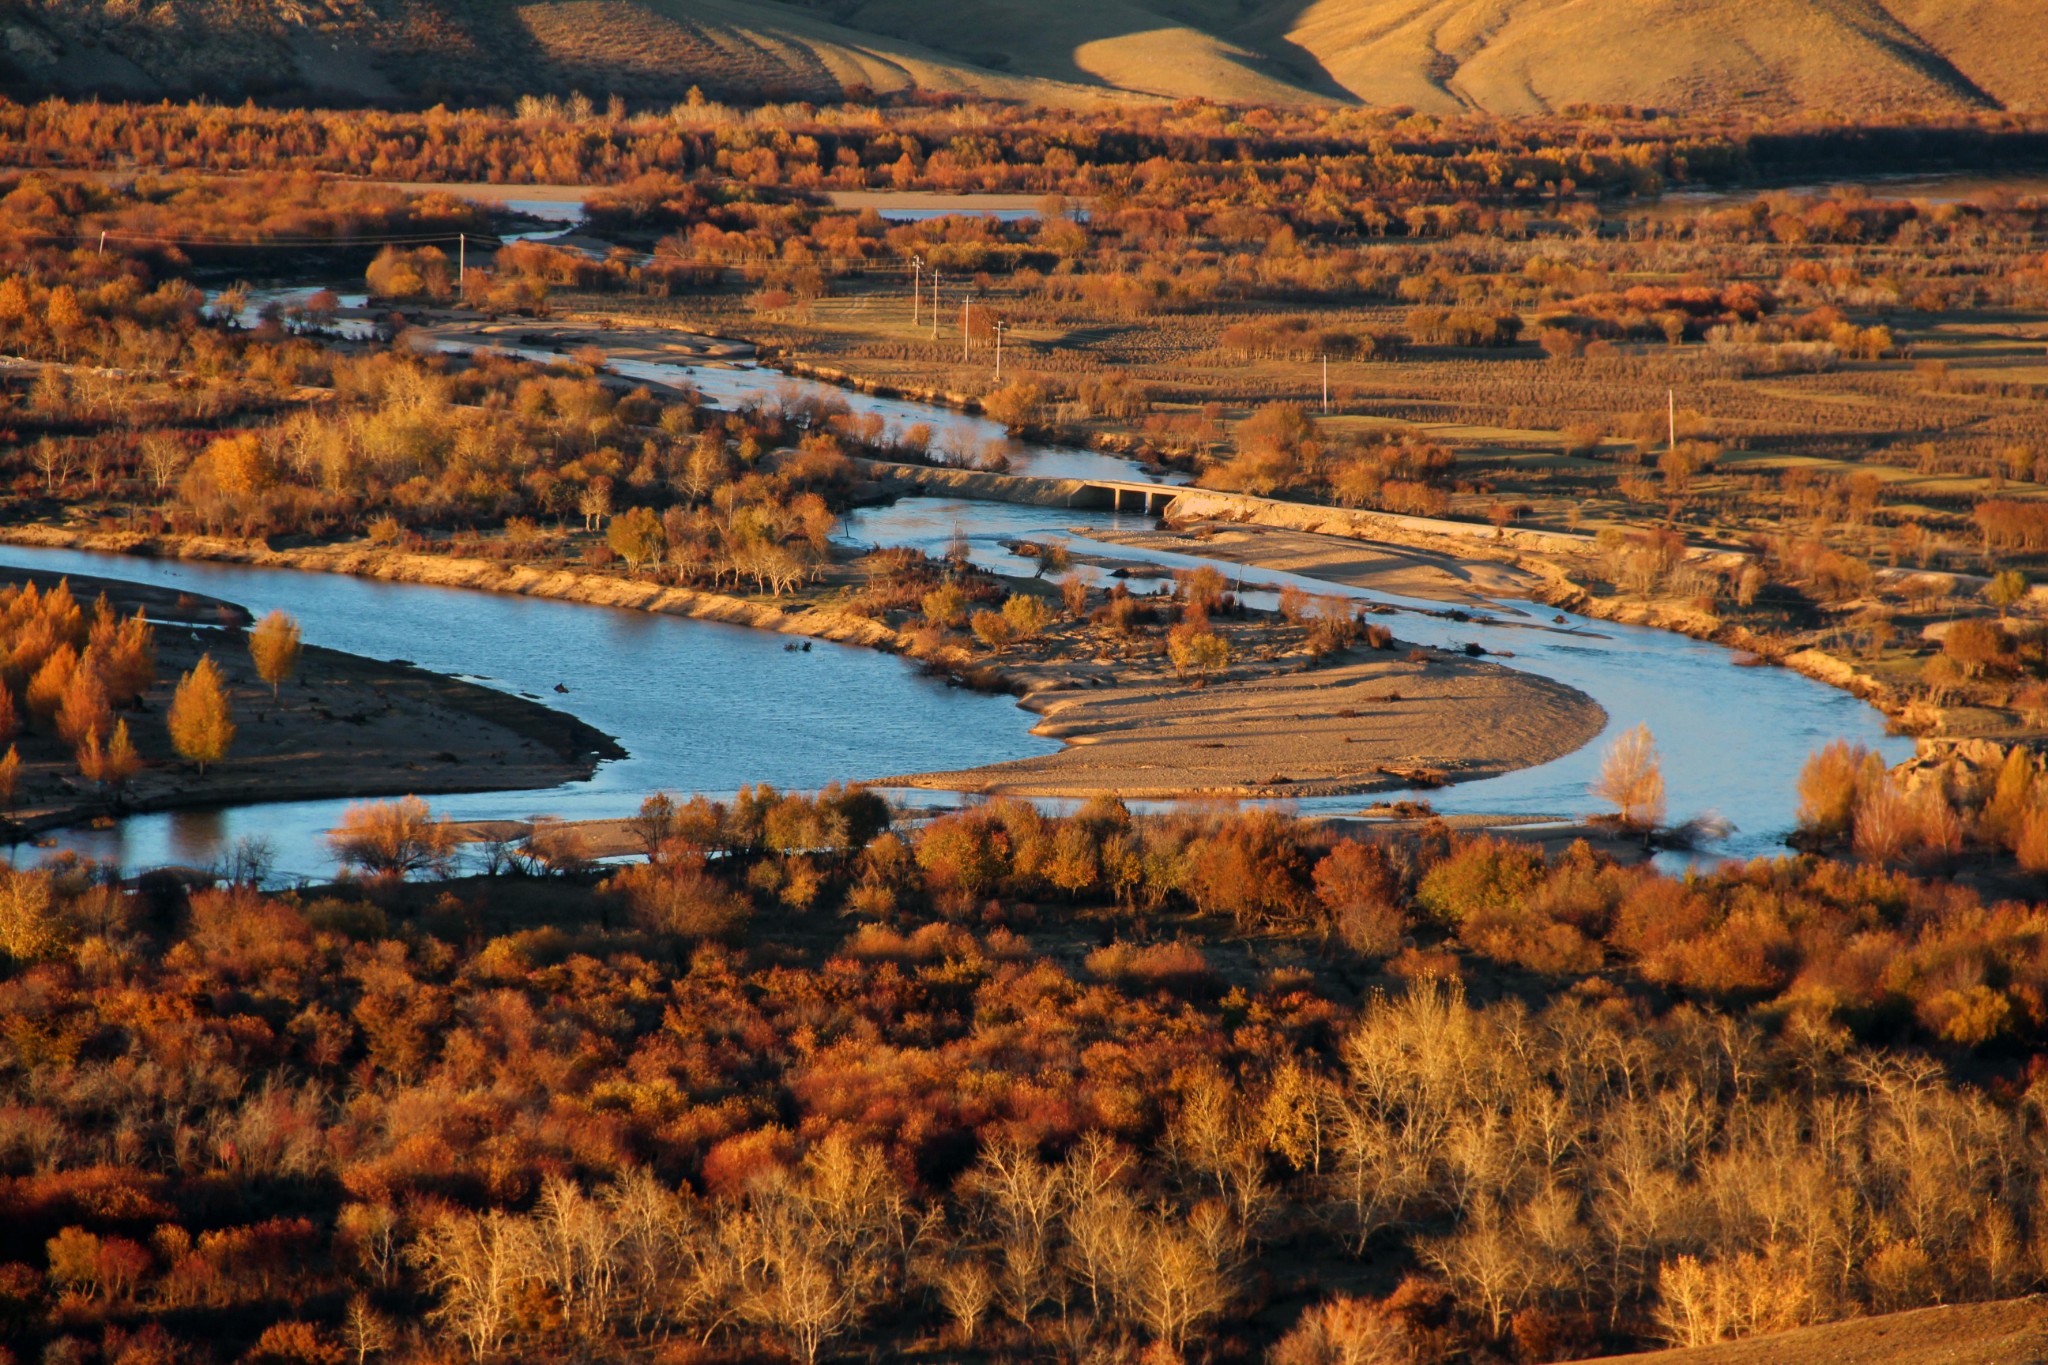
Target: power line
294	243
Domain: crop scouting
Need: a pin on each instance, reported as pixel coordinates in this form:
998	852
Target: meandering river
704	707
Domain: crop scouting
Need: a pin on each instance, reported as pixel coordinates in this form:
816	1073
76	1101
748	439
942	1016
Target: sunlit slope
733	47
1188	50
2004	1332
1016	49
1852	57
1524	56
2000	45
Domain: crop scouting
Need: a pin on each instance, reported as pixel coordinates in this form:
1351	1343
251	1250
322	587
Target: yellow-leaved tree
274	645
112	764
202	725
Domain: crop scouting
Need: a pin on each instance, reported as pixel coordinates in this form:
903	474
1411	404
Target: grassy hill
1854	57
2007	1332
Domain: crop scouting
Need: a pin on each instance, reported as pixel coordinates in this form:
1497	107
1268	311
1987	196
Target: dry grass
2009	1332
1857	57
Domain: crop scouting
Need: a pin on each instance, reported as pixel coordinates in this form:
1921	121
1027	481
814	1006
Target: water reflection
195	836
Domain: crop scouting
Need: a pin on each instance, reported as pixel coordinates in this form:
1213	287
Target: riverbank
1271	726
442	571
1424	557
341	726
624	836
1376	566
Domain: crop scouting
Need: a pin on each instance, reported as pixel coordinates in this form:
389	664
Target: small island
337	725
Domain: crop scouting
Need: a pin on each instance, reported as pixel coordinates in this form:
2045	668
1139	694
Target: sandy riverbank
1372	722
1376	566
363	560
343	725
1413	561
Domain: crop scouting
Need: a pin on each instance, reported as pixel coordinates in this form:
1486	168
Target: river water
698	706
1733	738
705	707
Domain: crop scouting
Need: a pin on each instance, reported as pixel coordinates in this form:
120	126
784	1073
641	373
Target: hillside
1854	57
2008	1332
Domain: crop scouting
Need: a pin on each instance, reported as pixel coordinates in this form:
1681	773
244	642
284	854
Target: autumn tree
274	646
2007	588
1196	652
124	649
636	536
202	725
85	709
109	765
1632	779
1829	784
30	928
46	686
392	839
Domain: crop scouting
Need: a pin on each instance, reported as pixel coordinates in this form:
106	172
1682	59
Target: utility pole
916	287
966	315
1001	327
1326	386
461	261
935	305
103	241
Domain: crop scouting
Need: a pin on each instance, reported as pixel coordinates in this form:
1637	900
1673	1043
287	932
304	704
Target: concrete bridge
1140	496
1116	495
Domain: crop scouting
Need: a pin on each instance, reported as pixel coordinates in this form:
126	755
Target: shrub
1483	874
393	839
1828	785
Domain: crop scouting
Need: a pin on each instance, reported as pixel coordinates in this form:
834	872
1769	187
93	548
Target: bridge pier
1144	495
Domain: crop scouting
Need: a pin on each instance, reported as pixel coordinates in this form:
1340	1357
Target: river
697	705
703	707
1733	738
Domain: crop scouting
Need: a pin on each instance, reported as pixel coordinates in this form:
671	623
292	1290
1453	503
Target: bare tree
1184	1279
1487	1265
163	459
1105	1244
53	460
1632	779
968	1290
1021	1195
475	1264
578	1245
366	1331
798	1296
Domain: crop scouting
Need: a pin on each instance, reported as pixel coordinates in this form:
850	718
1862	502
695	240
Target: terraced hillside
1854	57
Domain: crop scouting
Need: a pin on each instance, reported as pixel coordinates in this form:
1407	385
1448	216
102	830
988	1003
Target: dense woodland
1084	1088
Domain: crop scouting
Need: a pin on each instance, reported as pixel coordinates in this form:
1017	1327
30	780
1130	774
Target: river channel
705	707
